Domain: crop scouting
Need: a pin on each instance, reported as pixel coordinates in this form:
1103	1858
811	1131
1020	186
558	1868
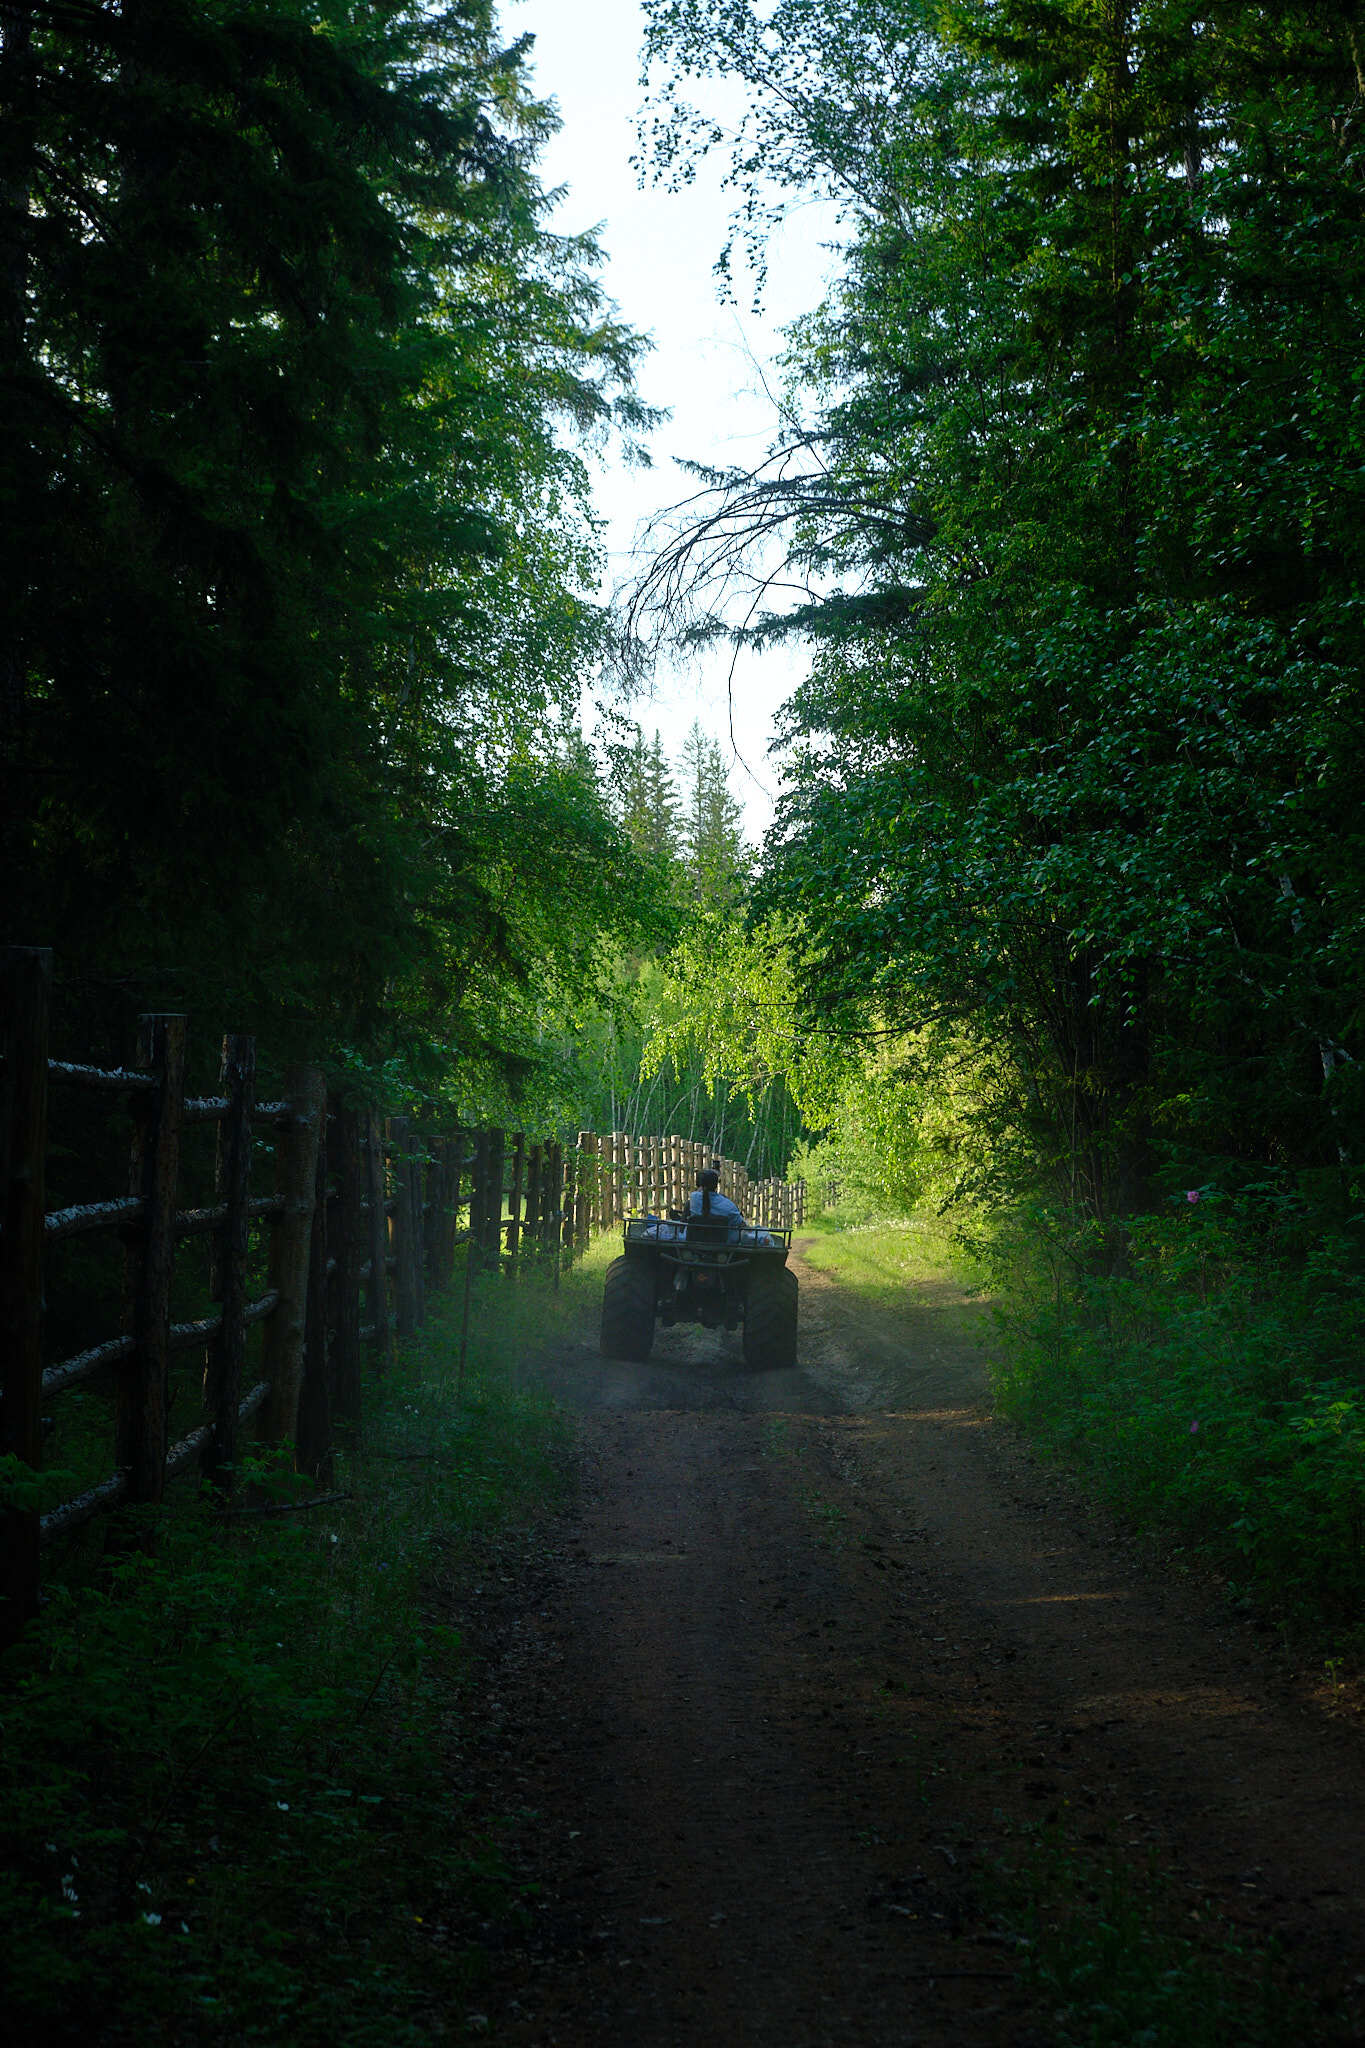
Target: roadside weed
1100	1946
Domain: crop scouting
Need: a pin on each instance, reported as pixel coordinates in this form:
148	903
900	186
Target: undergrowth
1213	1385
1102	1950
226	1808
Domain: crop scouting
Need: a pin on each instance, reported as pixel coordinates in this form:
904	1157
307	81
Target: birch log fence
336	1261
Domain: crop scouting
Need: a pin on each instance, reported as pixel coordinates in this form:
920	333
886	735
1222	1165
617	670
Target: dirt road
815	1654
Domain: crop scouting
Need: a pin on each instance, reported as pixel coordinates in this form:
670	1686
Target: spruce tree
648	802
717	858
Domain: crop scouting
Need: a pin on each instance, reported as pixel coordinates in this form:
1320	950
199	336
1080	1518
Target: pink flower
1192	1194
1194	1429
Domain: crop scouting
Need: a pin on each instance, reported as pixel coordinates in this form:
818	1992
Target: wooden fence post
493	1234
296	1159
143	1382
404	1228
450	1214
568	1203
345	1150
430	1191
232	1184
25	1002
586	1188
553	1188
549	1196
316	1386
478	1197
377	1300
514	1194
417	1174
535	1161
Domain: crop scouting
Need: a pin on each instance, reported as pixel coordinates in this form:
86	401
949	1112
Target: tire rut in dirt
732	1849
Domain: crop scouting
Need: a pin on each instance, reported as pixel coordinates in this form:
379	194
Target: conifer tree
292	518
717	858
649	801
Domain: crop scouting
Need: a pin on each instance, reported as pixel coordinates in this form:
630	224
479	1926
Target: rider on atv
708	1201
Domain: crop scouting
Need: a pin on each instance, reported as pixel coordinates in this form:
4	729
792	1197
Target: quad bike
693	1272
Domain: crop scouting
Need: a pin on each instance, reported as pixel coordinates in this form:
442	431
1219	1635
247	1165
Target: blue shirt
723	1210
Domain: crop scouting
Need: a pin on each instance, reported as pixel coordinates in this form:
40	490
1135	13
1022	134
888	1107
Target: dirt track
810	1651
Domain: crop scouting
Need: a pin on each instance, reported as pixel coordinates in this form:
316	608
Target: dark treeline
294	381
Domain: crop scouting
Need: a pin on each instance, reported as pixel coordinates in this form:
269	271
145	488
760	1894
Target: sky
707	361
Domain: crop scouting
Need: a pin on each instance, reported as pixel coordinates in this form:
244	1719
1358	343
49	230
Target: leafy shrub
1212	1381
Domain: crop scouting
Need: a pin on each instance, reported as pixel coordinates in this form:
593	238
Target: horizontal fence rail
363	1222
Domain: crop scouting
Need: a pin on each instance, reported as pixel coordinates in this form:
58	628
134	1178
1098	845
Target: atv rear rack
670	1239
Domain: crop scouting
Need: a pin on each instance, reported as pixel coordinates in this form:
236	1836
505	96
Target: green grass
882	1259
228	1806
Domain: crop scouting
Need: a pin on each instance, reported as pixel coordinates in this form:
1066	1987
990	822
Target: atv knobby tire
770	1318
628	1309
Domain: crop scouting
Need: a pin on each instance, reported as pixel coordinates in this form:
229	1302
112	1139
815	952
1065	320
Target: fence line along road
362	1221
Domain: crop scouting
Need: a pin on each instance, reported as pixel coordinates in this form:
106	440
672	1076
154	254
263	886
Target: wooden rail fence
361	1222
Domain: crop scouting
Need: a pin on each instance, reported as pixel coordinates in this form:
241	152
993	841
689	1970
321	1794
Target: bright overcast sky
661	247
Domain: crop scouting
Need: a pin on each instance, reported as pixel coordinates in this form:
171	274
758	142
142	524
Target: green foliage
885	1259
1210	1384
28	1491
1100	1946
695	1036
230	1805
297	391
721	1016
1063	479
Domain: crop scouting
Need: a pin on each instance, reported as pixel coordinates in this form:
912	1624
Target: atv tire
770	1319
628	1309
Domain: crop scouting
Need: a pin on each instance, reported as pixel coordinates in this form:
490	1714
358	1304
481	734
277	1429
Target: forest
315	724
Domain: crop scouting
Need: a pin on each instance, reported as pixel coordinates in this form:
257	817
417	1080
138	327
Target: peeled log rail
85	1216
111	1080
128	1210
80	1367
112	1492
